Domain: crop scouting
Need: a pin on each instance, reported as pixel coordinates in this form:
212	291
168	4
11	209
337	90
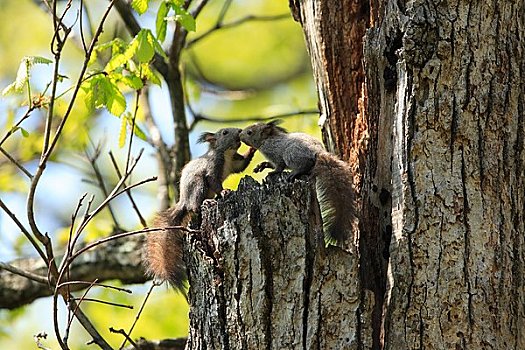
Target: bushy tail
163	252
336	196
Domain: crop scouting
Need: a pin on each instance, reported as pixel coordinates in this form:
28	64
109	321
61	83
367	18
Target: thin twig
70	246
220	25
100	182
104	302
96	284
17	163
162	154
24	231
49	146
133	119
14	127
199	117
123	332
81	26
126	234
133	204
23	273
70	318
138	315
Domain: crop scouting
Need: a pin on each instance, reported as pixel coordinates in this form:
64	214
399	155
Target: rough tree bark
425	99
261	277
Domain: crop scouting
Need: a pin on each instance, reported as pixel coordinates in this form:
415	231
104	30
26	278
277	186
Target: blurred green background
259	68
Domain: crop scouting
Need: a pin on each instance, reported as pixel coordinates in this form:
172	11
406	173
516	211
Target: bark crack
466	238
412	185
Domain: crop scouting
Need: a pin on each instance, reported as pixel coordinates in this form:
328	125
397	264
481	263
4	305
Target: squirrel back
200	179
305	155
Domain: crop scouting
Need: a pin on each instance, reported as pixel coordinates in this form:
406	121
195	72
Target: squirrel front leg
241	161
263	165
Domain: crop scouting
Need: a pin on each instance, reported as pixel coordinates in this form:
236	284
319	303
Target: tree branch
200	117
116	260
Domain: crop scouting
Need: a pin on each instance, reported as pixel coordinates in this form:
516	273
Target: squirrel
201	179
305	155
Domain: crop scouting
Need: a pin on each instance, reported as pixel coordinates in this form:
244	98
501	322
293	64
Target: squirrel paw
225	192
261	166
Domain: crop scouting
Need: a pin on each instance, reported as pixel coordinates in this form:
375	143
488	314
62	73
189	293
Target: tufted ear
275	122
207	137
272	127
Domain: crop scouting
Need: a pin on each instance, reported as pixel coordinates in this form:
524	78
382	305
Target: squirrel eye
225	132
249	132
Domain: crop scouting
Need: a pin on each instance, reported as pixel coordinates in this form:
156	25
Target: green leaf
122	132
24	132
132	81
101	91
140	6
133	46
115	62
183	17
158	46
160	23
9	89
145	51
23	74
115	100
37	60
149	74
139	133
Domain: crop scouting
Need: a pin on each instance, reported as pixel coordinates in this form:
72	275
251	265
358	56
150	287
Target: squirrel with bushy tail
201	179
305	155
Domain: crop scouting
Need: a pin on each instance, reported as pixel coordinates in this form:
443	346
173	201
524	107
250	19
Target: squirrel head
255	134
222	140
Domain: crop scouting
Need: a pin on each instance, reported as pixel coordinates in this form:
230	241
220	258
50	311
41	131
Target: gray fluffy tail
163	252
336	196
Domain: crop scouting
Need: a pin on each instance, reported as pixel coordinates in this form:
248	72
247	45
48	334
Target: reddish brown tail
163	253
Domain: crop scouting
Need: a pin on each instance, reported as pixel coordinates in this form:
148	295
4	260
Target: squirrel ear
272	127
207	137
275	122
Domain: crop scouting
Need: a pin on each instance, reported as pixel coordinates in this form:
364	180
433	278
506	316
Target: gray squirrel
305	155
201	179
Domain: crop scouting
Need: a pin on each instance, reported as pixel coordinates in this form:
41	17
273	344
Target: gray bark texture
262	278
455	105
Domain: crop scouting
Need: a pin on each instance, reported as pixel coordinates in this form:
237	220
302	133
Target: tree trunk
262	278
426	101
456	264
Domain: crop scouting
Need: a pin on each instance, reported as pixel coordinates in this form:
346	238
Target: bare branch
162	154
125	335
153	285
15	127
251	18
24	230
23	273
17	163
117	260
104	302
133	204
126	234
199	117
92	159
96	284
